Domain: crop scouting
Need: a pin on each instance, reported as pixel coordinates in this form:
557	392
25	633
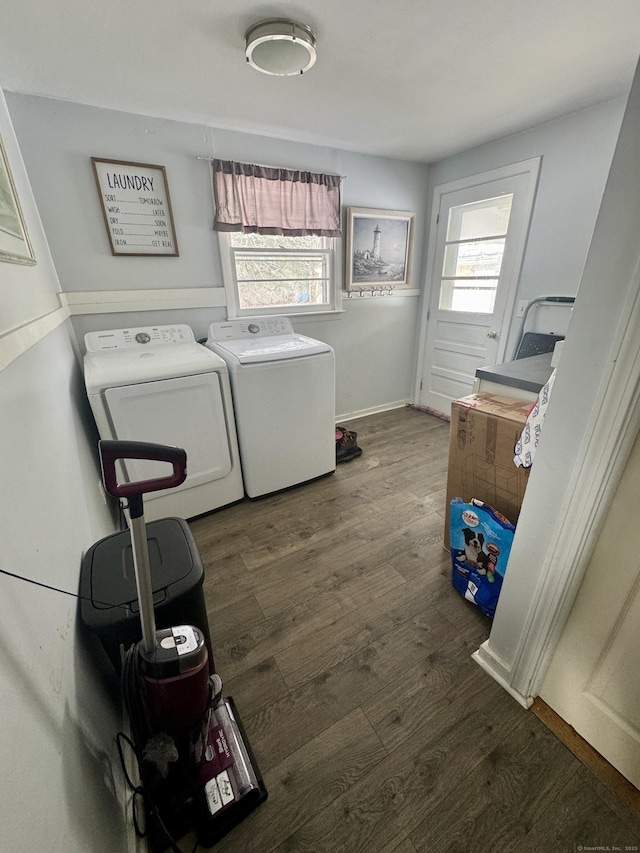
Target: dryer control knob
254	328
143	338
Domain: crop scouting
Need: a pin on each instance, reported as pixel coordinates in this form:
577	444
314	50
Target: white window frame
333	305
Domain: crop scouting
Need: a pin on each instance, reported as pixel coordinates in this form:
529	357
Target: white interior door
476	248
593	681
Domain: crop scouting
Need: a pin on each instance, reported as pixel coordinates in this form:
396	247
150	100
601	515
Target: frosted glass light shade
280	47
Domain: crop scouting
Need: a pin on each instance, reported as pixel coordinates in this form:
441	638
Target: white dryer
283	388
157	384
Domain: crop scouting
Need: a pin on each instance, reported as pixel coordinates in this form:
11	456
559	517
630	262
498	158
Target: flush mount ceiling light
280	47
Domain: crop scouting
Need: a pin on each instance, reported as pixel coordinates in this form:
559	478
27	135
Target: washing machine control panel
254	327
119	339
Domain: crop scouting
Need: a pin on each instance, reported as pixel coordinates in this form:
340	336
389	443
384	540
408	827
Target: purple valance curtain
263	200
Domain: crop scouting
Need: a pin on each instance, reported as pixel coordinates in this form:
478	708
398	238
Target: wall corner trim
602	457
498	670
16	342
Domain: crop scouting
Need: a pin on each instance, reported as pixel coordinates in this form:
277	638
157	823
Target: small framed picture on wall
15	246
378	248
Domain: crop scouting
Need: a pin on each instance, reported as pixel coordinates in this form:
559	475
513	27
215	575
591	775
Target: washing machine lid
130	356
251	340
273	348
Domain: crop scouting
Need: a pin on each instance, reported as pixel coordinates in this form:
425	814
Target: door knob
492	334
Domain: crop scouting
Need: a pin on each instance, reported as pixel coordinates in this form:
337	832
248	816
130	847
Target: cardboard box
484	431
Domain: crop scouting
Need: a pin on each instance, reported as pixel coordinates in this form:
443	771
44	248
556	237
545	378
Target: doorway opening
476	247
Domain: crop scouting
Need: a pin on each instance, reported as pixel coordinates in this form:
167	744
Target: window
266	274
475	242
277	231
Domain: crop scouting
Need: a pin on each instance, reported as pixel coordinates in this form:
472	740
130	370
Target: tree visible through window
281	272
277	233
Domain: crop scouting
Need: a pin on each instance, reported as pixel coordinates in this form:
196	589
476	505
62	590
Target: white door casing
454	343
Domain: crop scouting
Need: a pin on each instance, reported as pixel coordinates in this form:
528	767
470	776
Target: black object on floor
109	607
209	831
346	445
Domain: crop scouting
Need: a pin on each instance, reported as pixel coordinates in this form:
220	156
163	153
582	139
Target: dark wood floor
347	651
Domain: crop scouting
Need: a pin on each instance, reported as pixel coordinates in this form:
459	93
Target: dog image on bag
481	540
473	543
484	562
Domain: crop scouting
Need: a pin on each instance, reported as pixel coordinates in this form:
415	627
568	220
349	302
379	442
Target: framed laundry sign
136	207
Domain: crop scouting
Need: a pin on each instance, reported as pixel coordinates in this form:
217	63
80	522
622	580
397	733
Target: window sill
363	294
308	316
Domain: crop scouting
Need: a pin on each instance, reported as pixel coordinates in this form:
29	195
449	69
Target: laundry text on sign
129	182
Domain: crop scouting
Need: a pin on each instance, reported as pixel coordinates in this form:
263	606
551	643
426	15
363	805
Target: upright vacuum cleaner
196	766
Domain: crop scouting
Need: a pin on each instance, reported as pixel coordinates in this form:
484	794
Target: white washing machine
157	384
283	388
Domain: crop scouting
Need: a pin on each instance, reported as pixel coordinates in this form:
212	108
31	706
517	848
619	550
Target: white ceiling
412	79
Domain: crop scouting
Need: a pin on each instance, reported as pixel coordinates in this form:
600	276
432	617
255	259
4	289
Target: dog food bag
481	540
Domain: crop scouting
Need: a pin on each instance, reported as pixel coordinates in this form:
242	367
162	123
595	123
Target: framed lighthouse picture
378	249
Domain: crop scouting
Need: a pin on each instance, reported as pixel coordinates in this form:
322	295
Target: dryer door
186	412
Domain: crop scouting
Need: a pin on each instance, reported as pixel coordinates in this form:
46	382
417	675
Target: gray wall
576	155
608	289
374	338
60	781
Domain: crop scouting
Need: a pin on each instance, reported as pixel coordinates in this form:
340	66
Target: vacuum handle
111	451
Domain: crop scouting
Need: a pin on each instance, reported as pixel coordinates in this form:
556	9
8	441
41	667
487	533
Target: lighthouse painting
378	248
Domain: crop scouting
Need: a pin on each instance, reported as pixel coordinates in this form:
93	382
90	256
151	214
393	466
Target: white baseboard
498	670
374	410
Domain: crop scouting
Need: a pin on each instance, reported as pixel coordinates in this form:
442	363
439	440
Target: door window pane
477	296
479	258
486	218
474	249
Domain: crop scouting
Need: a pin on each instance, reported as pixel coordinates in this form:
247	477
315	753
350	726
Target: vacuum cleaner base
210	828
180	805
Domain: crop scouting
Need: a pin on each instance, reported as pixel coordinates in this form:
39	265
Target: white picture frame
378	248
15	246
